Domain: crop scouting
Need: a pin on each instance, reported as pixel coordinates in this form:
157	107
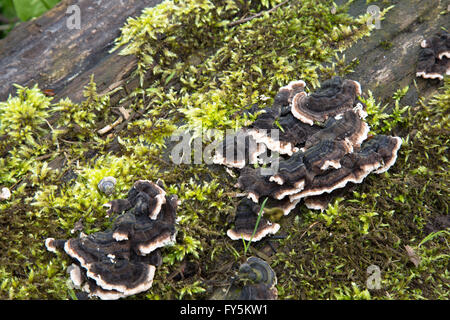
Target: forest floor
199	68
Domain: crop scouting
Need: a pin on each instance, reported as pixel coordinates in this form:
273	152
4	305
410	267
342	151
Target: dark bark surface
47	52
388	57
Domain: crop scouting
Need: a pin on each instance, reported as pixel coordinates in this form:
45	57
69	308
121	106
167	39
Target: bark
47	52
388	57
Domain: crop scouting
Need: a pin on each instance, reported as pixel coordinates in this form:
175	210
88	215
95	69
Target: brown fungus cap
429	67
256	280
120	262
245	222
237	150
122	275
147	197
258	270
334	97
434	57
350	127
298	171
439	43
291	133
149	235
286	94
294	172
376	155
255	184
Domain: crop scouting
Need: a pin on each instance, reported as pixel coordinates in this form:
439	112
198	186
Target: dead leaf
413	256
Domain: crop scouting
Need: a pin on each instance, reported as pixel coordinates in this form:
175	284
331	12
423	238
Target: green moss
197	72
222	70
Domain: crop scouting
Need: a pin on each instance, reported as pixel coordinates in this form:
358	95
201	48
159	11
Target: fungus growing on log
324	140
237	150
263	280
334	97
434	57
245	222
291	134
122	261
350	127
255	280
294	172
376	155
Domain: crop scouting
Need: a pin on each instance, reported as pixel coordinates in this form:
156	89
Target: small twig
312	225
237	22
53	131
109	127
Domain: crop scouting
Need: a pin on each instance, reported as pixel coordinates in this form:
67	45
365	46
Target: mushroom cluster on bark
323	143
122	261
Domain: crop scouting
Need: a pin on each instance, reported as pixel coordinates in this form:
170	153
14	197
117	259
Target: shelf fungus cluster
434	57
321	145
122	261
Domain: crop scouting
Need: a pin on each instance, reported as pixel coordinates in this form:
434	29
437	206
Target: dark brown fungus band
147	197
245	223
255	184
258	270
277	128
255	280
376	155
262	280
439	43
428	67
323	140
296	172
237	150
334	97
122	261
287	93
350	127
434	57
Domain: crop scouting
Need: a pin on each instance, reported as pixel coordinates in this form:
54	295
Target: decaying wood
45	51
388	57
61	60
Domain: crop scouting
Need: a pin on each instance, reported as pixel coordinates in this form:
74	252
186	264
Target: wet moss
199	72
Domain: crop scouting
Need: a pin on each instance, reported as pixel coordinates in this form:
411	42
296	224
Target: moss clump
198	71
196	64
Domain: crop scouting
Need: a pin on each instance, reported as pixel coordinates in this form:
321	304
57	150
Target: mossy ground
199	72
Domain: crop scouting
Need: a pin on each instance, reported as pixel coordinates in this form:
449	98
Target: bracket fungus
434	57
245	222
334	97
237	150
324	147
255	280
122	261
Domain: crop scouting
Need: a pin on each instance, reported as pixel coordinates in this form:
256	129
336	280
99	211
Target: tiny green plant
247	245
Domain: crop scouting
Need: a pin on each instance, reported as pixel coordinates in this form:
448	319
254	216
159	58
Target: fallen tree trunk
388	57
48	52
